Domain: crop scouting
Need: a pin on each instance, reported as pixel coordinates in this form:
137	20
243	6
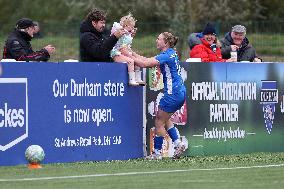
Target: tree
273	9
182	16
177	14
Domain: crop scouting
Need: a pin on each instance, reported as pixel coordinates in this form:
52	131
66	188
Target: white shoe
179	149
154	156
133	83
142	83
132	80
138	76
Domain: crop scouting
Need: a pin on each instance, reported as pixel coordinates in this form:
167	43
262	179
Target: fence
266	37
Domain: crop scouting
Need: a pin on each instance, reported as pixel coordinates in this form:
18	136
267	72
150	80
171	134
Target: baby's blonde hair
128	20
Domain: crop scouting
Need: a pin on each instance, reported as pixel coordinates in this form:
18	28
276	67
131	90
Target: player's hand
125	51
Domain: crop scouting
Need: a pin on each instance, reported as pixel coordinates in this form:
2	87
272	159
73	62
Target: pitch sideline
136	173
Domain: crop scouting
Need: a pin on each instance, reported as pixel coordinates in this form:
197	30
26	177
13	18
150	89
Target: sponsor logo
268	99
13	111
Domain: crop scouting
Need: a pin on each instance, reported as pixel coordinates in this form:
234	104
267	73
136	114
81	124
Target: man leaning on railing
236	41
18	46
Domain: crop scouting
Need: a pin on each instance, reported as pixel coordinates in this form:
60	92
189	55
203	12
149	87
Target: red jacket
205	52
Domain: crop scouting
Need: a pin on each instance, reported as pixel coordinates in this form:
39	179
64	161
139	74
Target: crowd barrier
74	111
87	111
230	108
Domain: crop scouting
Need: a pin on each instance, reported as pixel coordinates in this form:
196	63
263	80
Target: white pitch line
198	146
250	133
135	173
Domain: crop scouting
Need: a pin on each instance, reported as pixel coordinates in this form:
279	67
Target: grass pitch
259	170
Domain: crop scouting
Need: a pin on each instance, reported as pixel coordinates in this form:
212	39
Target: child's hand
133	32
120	32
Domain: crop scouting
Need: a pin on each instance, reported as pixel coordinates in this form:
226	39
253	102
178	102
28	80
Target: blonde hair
128	20
170	39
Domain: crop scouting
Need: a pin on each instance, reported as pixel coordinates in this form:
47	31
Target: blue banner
74	111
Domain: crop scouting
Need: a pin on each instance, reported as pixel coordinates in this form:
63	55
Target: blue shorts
172	103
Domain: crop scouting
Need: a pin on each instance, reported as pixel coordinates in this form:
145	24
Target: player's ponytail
170	39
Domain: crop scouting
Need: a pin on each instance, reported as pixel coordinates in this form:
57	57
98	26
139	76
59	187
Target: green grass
146	45
257	177
66	47
269	46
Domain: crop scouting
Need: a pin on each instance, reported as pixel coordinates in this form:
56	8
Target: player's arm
138	56
145	62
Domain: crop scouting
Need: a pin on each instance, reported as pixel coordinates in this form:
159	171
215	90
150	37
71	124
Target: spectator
18	46
95	44
208	50
236	40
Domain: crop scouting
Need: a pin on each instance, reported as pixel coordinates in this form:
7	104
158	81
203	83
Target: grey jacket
245	53
194	39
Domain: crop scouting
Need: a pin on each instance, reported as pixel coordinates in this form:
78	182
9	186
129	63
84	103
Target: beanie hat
209	29
24	23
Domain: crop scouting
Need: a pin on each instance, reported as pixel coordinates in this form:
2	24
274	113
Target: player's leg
173	132
173	103
160	131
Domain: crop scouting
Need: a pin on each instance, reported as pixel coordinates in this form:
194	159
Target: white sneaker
154	156
142	83
133	83
179	149
132	80
138	76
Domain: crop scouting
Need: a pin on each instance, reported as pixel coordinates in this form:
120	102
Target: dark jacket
18	47
245	53
95	46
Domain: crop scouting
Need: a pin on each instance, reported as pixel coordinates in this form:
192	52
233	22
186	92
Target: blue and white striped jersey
171	70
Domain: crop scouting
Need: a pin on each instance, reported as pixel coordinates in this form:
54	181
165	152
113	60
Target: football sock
158	143
174	135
